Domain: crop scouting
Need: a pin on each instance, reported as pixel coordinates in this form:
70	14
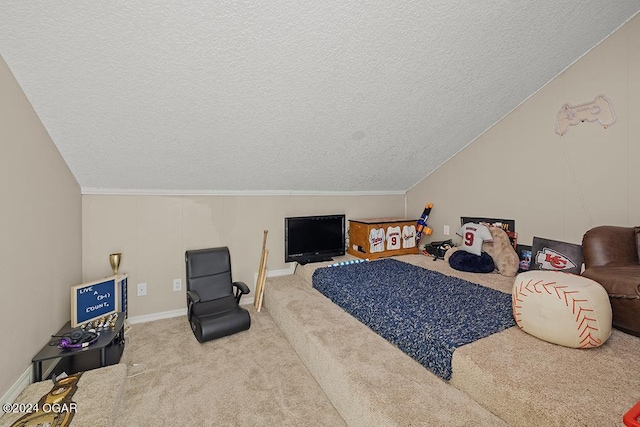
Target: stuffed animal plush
504	256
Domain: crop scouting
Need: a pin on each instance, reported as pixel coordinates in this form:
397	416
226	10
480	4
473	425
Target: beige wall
52	237
153	233
517	169
40	245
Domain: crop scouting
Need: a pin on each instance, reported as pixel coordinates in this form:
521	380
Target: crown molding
146	192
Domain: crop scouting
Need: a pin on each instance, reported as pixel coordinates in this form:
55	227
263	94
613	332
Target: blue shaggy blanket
424	313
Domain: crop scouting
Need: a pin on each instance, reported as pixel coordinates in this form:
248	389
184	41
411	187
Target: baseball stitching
584	324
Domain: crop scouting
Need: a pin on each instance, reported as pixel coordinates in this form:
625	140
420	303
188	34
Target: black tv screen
313	238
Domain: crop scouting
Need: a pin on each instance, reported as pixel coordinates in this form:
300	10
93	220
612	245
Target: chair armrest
193	296
241	289
609	245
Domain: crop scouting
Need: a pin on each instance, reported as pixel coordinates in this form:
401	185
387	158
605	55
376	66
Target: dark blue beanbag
465	261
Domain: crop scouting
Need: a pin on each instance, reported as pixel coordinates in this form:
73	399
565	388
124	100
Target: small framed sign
92	300
548	254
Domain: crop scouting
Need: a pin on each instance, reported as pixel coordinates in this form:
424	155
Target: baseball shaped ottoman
562	308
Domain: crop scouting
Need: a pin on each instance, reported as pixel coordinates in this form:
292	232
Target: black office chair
213	309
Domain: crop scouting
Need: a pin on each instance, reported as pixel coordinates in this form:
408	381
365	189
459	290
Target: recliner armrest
242	287
193	296
609	245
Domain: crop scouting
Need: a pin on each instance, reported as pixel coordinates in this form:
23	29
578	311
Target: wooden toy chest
375	238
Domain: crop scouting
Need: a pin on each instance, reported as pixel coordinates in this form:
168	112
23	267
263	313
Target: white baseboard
276	273
245	300
270	273
283	272
23	381
157	316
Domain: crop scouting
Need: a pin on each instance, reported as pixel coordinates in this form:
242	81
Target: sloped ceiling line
284	97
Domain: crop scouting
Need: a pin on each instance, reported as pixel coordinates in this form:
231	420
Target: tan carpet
97	399
526	381
253	378
369	380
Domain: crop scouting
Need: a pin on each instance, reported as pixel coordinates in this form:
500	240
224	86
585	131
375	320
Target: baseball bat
261	267
262	281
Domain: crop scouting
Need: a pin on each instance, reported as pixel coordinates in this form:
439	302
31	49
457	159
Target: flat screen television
313	238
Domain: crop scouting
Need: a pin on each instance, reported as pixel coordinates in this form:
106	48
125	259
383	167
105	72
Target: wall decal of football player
473	235
393	238
409	236
376	240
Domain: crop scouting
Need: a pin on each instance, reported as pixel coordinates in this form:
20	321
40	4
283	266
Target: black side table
108	338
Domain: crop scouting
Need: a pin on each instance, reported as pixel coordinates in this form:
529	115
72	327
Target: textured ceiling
283	95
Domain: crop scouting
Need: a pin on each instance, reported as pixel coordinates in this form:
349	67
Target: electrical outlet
142	289
177	285
446	230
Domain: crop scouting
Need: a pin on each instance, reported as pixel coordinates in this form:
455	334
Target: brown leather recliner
612	258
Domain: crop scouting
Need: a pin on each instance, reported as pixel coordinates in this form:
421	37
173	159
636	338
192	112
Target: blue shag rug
424	313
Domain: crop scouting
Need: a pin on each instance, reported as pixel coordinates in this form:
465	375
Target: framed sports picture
548	254
524	253
508	225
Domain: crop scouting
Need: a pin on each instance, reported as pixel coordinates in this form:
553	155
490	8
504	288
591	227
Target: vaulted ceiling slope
284	96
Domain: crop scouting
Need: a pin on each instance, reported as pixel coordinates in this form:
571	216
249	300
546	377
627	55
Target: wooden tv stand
362	240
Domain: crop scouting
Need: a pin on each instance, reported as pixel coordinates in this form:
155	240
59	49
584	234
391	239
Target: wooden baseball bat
263	280
259	281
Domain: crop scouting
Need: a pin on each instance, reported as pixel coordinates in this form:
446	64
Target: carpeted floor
426	314
521	379
253	378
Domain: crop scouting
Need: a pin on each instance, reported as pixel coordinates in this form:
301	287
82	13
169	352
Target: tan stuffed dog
504	256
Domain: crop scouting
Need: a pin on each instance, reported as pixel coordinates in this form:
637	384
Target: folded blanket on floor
424	313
